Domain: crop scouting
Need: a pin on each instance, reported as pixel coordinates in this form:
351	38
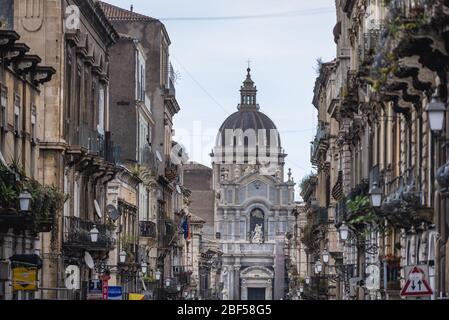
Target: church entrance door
256	293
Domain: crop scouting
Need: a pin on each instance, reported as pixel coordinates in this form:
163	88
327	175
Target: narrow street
224	151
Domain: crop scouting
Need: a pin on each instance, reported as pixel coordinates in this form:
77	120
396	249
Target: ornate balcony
367	50
403	205
320	144
44	204
349	94
171	171
76	236
149	159
413	52
147	229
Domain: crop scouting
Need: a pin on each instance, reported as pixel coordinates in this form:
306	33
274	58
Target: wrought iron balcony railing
92	141
368	49
147	229
76	233
149	158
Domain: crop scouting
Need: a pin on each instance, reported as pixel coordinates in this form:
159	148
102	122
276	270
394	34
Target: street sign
95	291
136	296
416	284
105	287
115	293
24	279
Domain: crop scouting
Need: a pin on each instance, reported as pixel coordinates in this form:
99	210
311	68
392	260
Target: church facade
254	203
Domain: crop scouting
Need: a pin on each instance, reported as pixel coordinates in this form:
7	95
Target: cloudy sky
211	55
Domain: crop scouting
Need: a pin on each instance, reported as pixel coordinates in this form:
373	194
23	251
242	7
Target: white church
253	210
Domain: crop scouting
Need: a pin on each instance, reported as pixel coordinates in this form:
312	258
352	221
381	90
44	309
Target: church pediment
247	179
257	272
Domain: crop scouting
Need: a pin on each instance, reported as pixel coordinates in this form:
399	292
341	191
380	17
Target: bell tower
248	93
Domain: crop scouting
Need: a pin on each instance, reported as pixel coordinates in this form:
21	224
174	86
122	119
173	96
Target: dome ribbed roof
248	119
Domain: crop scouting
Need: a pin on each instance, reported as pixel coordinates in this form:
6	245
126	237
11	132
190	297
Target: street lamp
325	256
158	274
122	256
144	267
435	111
319	266
375	195
94	234
178	288
25	200
167	282
301	289
307	280
344	231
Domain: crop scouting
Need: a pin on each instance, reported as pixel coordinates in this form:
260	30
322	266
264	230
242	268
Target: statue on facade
225	294
257	234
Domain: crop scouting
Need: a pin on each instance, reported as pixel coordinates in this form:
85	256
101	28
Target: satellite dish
158	156
97	209
178	189
113	212
88	260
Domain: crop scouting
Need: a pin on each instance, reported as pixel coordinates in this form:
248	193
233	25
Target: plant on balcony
361	213
385	64
45	203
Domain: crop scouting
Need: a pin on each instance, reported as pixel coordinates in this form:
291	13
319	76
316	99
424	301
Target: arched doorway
256	283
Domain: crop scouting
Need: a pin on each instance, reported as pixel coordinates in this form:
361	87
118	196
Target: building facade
376	140
199	180
253	210
21	112
155	90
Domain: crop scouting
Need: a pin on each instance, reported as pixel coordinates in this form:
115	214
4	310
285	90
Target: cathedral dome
247	117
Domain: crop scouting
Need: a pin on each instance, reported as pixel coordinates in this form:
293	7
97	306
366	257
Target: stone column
244	295
269	290
231	283
279	268
237	282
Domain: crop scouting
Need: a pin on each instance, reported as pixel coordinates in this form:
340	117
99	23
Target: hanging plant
361	214
45	201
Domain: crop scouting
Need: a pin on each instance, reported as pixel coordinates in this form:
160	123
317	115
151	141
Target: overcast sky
211	57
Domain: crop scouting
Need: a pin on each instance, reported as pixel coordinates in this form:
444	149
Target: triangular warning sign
416	284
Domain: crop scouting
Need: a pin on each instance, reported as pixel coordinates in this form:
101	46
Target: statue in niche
257	226
257	236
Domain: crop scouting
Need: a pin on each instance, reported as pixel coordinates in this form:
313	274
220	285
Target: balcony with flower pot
414	47
25	205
